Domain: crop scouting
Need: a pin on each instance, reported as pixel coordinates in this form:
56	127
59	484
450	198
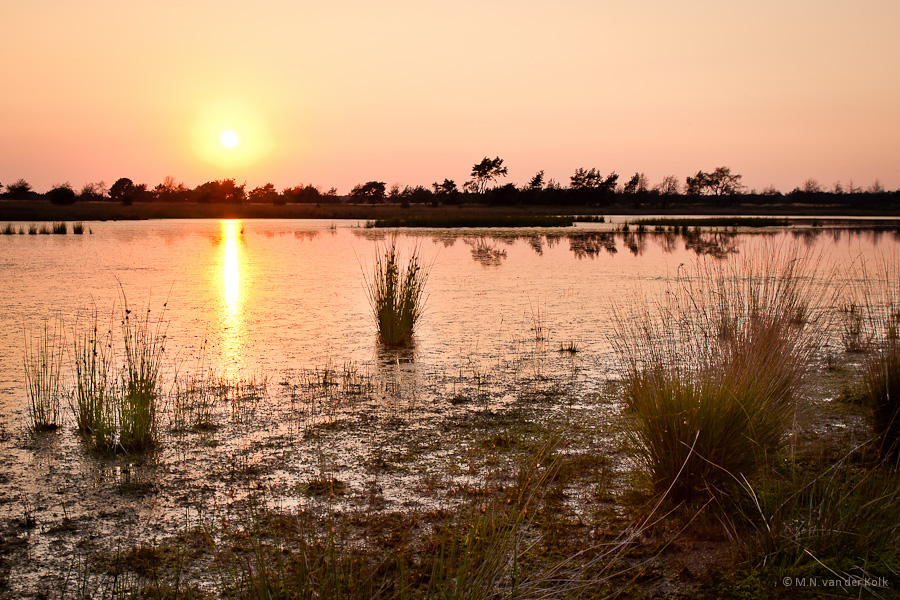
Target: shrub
397	295
712	373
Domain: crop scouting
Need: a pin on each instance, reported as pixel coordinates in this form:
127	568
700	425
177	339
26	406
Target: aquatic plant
32	229
60	227
396	294
44	229
8	230
95	385
144	340
78	228
712	372
43	365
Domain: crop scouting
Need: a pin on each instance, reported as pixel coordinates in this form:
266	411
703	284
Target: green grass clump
712	374
397	295
840	521
94	390
60	228
140	391
43	365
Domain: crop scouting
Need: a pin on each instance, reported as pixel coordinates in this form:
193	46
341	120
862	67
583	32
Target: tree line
588	187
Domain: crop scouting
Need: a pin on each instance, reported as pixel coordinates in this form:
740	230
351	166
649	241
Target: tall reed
95	385
881	298
43	365
60	227
397	294
141	382
713	370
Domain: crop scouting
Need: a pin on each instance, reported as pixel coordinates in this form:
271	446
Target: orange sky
341	92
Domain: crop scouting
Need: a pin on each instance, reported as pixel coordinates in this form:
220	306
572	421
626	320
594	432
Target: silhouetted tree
93	191
721	182
448	187
61	194
19	190
265	194
536	183
372	191
638	184
488	170
123	190
221	192
169	191
593	180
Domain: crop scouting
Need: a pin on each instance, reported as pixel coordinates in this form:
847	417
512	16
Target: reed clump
881	298
712	372
43	367
144	340
60	227
78	228
94	393
397	294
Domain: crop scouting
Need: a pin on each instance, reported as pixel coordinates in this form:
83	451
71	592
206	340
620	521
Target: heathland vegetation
718	189
700	471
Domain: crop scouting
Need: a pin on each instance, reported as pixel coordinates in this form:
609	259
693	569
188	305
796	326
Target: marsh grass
94	390
32	229
60	228
78	228
879	318
445	221
43	363
713	371
9	229
141	379
44	229
841	520
396	294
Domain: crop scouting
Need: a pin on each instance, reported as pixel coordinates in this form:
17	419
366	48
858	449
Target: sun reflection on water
231	310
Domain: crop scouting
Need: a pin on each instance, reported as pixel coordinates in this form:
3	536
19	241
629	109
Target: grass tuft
712	375
60	228
43	365
95	385
141	380
397	294
78	228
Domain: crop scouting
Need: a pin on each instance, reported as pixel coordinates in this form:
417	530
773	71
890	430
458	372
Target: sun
229	138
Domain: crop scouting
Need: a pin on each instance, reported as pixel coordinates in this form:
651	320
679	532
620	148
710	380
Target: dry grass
712	372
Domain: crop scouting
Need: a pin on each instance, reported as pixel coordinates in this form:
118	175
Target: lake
278	311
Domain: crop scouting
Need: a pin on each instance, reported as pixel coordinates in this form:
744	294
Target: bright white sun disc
229	138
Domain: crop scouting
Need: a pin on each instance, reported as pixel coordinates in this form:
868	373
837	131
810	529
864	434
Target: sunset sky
341	92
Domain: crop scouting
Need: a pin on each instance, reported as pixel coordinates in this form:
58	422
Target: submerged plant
397	294
43	365
713	374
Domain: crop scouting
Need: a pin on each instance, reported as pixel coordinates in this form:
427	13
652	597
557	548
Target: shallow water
283	303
